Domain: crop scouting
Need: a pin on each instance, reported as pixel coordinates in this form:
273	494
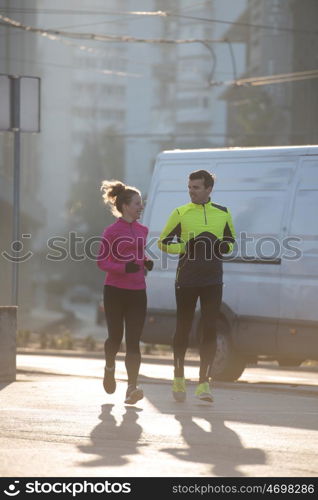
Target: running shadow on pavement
207	439
112	442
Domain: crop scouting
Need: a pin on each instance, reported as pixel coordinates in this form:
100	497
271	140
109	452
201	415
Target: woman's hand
132	267
148	264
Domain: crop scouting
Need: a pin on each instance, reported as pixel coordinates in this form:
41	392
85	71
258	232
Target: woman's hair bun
117	189
112	189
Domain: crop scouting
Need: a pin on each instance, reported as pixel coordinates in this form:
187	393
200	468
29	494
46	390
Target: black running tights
124	308
210	301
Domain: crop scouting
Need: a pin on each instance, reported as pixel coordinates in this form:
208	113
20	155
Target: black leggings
124	307
210	300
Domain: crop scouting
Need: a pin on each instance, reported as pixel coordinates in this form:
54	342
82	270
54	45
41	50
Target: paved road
65	425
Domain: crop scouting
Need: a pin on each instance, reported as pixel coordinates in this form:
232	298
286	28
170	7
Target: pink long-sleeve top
123	242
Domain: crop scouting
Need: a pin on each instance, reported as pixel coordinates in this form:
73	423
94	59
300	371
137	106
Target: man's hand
132	267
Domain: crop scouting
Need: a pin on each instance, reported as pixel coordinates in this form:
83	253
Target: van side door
256	189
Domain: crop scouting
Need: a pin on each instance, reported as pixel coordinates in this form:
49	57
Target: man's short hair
205	175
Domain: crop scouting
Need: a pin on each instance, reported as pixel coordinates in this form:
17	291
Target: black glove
131	267
221	247
148	264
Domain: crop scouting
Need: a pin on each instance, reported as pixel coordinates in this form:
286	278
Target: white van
270	296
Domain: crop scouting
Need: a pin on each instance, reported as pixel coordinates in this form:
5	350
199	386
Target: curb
304	390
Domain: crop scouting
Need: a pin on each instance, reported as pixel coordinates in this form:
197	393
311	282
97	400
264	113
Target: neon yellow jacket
203	233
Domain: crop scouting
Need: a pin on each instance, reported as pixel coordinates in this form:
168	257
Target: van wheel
228	364
289	362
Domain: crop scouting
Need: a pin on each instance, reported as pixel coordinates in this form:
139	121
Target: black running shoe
133	395
109	381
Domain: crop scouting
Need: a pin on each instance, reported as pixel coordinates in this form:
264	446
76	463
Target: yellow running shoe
203	392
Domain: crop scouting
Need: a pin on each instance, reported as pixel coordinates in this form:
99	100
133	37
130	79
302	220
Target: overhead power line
51	33
81	47
252	81
26	10
159	13
267	80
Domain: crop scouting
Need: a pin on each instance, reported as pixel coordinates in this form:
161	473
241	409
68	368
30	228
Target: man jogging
200	232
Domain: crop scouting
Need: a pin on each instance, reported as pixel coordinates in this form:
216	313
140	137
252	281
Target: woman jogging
122	256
